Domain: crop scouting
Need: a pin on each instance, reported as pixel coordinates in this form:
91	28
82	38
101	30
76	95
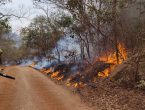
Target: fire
77	81
54	74
42	70
47	71
74	84
32	65
111	58
60	78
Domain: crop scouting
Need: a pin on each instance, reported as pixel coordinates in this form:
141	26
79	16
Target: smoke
65	46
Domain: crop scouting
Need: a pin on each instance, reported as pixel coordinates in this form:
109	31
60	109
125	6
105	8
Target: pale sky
16	8
20	7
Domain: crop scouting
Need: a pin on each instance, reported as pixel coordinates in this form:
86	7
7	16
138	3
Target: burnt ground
124	89
107	96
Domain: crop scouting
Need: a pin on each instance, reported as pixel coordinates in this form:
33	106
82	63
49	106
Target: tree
101	25
1	52
4	26
3	2
40	36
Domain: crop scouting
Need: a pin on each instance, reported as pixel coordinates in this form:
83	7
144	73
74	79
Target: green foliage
41	35
4	21
4	26
73	4
65	21
101	24
7	45
141	84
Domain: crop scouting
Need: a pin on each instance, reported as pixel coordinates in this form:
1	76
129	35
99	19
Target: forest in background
93	47
98	26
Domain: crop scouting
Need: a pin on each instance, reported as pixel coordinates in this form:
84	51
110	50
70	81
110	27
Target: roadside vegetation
105	57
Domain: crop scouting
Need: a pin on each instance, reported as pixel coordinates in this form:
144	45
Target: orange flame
111	58
60	78
54	74
47	71
75	84
42	70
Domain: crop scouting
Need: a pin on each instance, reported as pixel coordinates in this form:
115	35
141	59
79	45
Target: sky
20	8
15	7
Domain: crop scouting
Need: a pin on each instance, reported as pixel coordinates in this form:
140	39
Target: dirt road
34	91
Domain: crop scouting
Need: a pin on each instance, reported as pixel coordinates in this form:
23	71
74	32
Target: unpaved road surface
34	91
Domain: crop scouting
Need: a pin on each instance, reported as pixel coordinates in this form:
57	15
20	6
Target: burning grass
102	67
112	59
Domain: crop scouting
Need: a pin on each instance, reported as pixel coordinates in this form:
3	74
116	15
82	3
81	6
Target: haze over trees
94	47
98	25
5	42
8	39
102	25
42	35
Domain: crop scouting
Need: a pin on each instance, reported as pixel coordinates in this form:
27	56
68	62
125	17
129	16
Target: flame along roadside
110	57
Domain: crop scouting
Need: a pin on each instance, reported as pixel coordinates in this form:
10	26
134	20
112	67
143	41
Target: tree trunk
0	59
114	17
